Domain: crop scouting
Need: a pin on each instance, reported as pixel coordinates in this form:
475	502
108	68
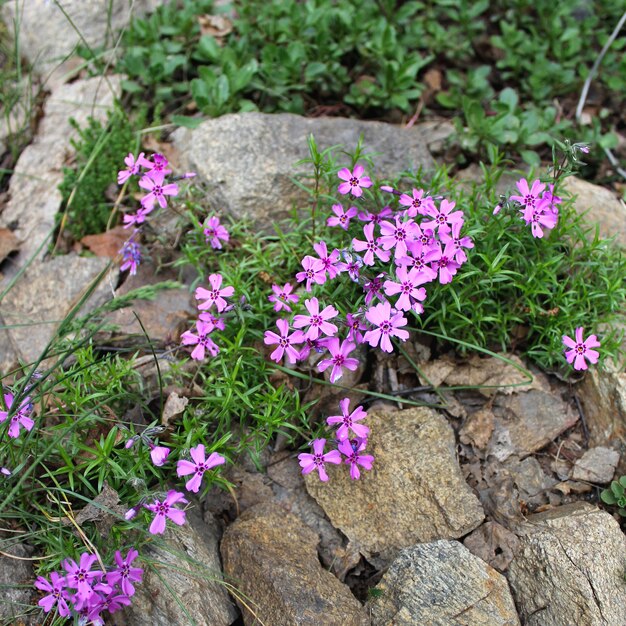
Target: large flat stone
248	159
414	493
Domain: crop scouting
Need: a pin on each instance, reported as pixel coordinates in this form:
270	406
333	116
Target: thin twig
583	421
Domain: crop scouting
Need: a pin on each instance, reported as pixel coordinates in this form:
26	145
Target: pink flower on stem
419	256
407	287
442	217
352	266
339	352
135	219
165	510
112	603
376	218
158	164
310	344
159	454
371	246
79	575
374	289
349	421
157	191
580	350
313	272
202	341
329	260
355	326
309	462
125	574
285	342
317	322
57	594
354	183
282	296
21	417
341	219
200	465
529	196
453	235
209	318
215	295
214	231
132	168
387	326
445	264
417	203
351	449
538	216
397	235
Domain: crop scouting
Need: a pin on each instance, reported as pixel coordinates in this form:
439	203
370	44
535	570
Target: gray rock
526	422
570	568
44	295
47	36
188	561
597	465
442	584
16	585
270	557
600	207
34	198
415	491
248	159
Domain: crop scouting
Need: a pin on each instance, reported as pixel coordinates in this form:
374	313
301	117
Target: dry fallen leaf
217	26
8	243
174	405
107	244
104	511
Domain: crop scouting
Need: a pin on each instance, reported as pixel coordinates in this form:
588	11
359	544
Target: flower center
354	182
581	348
385	327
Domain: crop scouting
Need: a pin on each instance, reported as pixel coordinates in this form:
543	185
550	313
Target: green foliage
615	495
100	150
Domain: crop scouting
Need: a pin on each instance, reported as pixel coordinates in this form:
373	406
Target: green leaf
186	121
509	97
607	497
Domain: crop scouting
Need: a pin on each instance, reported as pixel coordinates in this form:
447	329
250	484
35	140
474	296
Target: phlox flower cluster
350	440
537	205
393	254
80	590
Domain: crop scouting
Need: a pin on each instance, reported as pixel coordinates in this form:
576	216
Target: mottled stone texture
570	569
415	491
248	159
270	557
442	584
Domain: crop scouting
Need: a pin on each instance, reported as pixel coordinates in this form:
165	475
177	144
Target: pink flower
209	318
131	256
57	594
417	203
309	462
132	168
338	357
342	219
376	218
351	449
153	183
79	575
371	246
454	235
349	421
285	342
165	510
282	296
313	272
214	231
397	235
329	260
316	321
355	181
528	197
135	219
538	216
158	164
580	350
202	341
442	216
407	288
445	264
352	265
124	574
355	326
374	289
21	417
215	295
159	454
198	467
388	325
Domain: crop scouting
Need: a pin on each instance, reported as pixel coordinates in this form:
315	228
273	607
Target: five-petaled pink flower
329	260
349	421
407	287
417	203
57	594
215	295
132	168
282	296
79	575
317	322
338	357
21	417
371	246
580	350
454	235
153	184
351	449
314	271
529	196
309	462
214	231
355	182
538	215
200	465
202	341
355	326
442	216
387	326
341	218
285	342
165	509
124	574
